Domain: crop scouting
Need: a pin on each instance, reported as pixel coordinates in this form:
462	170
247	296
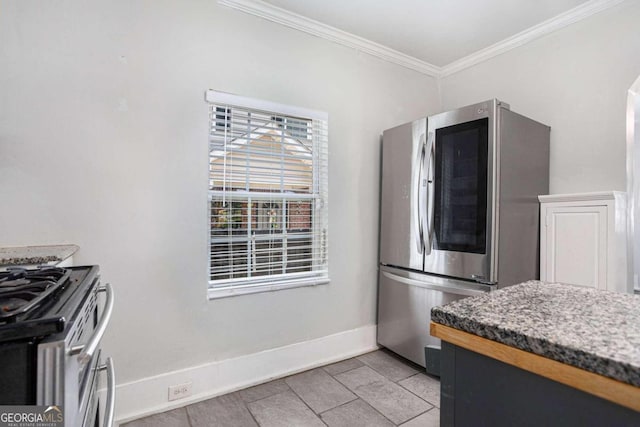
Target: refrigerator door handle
430	190
456	290
418	169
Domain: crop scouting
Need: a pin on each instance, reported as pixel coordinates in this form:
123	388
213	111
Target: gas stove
51	326
21	290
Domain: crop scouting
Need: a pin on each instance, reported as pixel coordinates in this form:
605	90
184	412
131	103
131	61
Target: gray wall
574	80
103	143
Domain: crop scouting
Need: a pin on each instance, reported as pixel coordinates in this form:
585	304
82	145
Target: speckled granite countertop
36	255
595	330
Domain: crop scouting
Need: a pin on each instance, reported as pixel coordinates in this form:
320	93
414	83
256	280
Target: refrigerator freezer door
404	309
401	222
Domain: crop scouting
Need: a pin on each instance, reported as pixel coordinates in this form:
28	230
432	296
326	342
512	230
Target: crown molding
302	23
293	20
558	22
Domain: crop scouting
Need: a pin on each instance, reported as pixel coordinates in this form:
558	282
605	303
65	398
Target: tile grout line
365	402
305	404
395	382
418	372
424	400
420	414
188	416
361	398
339	406
375	409
246	405
319	414
274	394
342	372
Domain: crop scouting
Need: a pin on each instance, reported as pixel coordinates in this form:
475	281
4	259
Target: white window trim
217	97
230	291
270	283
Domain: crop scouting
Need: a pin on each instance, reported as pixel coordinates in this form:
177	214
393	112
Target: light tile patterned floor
375	389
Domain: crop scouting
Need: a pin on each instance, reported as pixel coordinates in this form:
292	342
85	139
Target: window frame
273	282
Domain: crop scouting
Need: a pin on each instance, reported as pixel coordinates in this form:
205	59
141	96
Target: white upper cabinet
583	240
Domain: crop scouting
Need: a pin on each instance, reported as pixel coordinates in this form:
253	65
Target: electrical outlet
180	391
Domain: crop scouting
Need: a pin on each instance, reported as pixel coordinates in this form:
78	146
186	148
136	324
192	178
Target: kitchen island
540	354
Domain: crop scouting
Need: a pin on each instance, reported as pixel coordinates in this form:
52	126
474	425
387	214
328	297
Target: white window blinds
267	195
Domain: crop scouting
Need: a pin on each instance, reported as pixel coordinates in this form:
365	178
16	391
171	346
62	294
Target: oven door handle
87	350
110	404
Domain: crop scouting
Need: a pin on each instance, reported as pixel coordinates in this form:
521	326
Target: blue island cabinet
477	390
540	354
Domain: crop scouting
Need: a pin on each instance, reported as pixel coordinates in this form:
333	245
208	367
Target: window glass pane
268	196
299	252
254	156
249	240
229	260
226	217
299	216
223	118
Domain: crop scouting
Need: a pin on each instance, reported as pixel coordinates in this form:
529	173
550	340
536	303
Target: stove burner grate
21	290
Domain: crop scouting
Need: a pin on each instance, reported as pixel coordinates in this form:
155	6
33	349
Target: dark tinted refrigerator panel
460	199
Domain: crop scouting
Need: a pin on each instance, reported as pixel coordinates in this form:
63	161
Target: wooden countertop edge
606	388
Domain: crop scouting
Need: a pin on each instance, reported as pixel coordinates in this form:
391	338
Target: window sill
231	291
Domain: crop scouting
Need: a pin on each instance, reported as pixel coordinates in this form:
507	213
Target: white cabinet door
583	240
575	239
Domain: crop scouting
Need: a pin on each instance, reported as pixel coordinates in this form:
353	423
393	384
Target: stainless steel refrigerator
459	215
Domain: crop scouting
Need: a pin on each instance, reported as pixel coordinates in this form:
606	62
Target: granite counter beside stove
35	255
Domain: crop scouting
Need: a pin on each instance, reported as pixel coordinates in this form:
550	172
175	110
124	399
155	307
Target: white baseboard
148	396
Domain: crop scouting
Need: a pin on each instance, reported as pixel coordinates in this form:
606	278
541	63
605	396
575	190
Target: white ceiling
434	37
437	32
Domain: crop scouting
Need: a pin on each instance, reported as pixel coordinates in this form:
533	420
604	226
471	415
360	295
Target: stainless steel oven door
66	367
91	414
459	200
88	394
